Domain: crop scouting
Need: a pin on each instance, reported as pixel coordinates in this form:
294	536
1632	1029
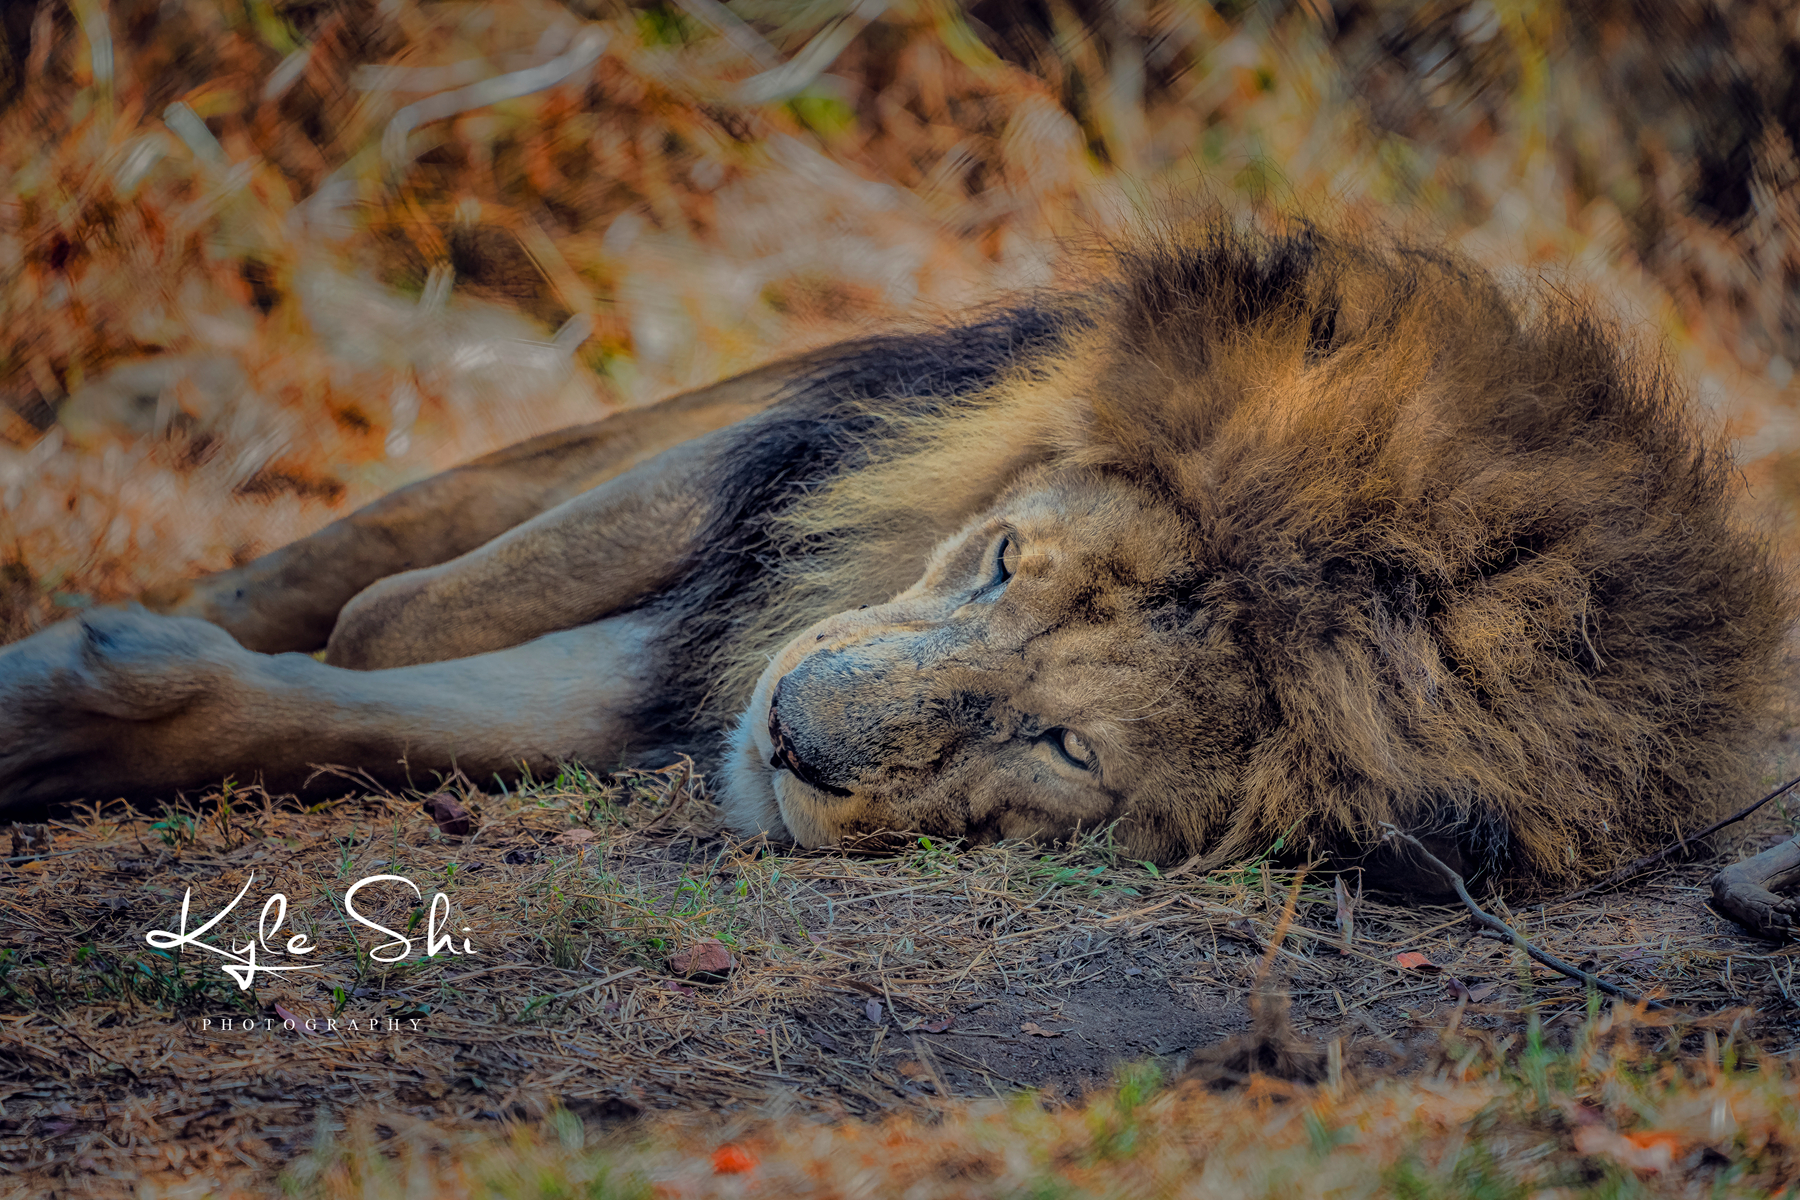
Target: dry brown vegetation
329	309
238	301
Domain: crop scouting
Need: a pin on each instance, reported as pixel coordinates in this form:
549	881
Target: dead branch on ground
1681	842
1490	922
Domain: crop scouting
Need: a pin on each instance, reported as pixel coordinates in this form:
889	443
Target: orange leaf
1653	1139
1412	960
1629	1151
733	1160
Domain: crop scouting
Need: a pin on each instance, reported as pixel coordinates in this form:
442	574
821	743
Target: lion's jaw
946	710
759	798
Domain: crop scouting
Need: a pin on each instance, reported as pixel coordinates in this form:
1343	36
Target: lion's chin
750	802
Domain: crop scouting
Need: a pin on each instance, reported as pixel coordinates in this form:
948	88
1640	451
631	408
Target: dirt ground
824	983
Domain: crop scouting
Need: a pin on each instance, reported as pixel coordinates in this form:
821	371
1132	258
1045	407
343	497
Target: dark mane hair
1487	563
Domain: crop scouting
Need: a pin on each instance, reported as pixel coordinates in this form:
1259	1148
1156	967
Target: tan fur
1306	535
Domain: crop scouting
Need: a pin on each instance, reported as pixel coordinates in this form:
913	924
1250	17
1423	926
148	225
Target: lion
1255	535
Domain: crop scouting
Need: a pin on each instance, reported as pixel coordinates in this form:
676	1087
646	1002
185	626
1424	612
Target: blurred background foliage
261	260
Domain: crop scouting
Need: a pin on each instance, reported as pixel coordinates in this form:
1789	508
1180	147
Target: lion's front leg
124	703
289	599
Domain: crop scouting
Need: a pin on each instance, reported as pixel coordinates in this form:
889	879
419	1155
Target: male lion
1261	533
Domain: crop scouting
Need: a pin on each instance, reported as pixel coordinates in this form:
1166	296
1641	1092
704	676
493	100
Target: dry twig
1682	842
1490	922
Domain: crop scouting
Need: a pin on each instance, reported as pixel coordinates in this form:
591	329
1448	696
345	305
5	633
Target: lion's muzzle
861	718
784	756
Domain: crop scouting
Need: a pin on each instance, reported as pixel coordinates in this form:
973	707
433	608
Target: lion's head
1047	673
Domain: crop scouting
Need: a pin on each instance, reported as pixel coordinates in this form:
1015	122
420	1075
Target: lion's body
1294	536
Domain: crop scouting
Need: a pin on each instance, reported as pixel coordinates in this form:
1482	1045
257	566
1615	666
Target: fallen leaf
1245	928
1033	1029
1652	1139
937	1026
573	837
873	1011
1188	867
30	839
451	817
669	985
299	1022
732	1160
1412	960
1474	995
708	956
1646	1153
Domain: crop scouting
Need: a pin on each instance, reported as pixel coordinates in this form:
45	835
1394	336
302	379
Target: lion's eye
1006	559
1074	747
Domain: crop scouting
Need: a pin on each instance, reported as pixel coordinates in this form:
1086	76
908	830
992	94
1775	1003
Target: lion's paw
1739	893
65	691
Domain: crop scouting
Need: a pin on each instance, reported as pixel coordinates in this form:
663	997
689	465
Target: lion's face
1041	677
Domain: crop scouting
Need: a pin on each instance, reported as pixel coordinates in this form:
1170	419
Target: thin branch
1639	865
732	28
583	52
797	73
1490	922
1281	927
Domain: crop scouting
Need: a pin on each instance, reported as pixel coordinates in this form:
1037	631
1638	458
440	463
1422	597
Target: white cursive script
242	962
434	941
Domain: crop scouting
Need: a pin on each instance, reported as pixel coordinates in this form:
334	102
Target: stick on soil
1488	921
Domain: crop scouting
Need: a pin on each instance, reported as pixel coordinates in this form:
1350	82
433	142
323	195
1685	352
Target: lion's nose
785	757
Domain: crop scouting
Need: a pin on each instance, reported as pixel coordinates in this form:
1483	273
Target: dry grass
1597	1120
899	982
325	321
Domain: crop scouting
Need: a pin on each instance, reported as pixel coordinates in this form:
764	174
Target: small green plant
176	829
1117	1127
